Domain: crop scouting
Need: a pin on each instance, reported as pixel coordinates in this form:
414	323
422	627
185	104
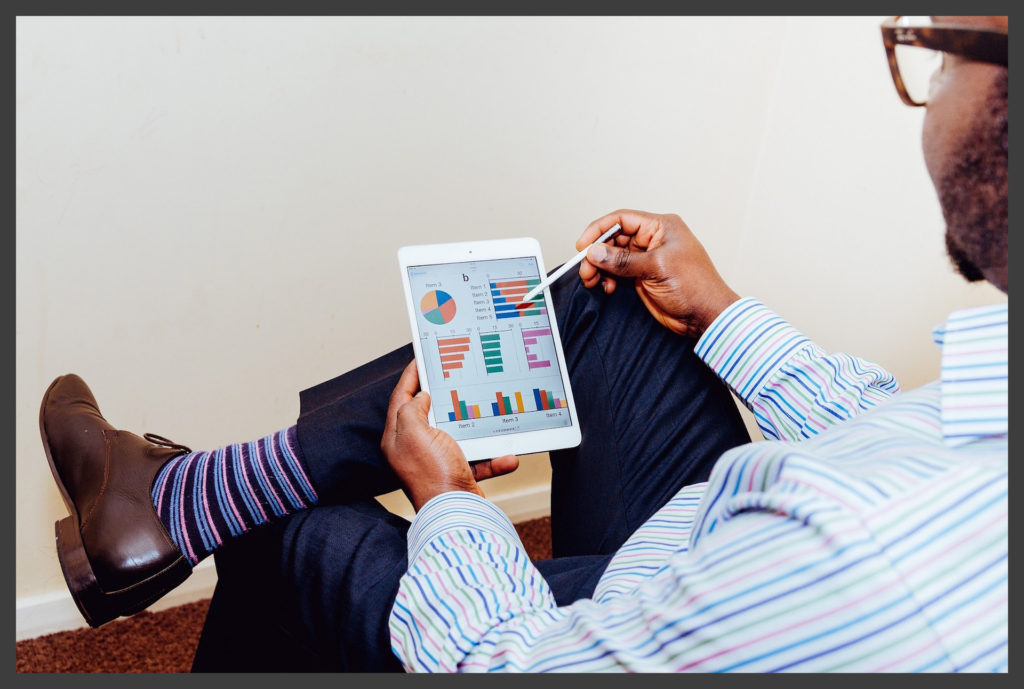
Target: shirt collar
975	374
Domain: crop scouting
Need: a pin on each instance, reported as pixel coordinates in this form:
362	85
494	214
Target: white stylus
570	264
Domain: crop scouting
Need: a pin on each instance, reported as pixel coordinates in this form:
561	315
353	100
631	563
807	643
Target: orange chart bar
452	351
460	411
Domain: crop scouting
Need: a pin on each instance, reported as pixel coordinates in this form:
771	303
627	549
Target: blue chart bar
507	296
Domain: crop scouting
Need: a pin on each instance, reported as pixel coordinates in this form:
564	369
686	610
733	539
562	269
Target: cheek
942	120
932	143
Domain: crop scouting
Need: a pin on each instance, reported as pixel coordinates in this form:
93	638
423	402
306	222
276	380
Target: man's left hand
426	460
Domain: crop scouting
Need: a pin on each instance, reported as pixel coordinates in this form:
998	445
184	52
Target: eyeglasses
915	47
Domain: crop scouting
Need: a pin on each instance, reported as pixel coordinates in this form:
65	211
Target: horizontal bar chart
531	342
452	351
490	344
508	294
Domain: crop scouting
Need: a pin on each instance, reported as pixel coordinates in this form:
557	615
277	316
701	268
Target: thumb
420	402
489	468
619	261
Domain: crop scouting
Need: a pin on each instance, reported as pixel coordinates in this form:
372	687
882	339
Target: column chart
546	399
503	405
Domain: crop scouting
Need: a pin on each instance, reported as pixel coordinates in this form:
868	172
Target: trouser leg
340	425
314	592
654	418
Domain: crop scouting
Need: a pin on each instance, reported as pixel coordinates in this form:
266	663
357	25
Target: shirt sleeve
793	387
766	590
468	574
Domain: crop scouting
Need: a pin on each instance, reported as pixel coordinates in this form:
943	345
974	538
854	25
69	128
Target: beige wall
208	209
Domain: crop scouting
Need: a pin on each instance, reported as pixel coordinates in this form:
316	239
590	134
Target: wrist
423	495
714	306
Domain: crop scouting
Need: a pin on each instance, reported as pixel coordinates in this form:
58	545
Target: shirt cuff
747	343
458	510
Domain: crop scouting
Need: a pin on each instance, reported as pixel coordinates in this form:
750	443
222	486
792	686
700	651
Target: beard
973	194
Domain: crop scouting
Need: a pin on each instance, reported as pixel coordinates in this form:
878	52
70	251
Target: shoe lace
164	442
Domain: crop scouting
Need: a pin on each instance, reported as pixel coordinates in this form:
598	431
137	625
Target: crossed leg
314	591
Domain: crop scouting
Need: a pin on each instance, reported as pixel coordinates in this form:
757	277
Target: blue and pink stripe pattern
204	498
862	537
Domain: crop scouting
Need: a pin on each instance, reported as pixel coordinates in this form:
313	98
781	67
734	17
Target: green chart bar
491	345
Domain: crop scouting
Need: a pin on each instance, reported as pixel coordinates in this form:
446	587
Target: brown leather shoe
116	556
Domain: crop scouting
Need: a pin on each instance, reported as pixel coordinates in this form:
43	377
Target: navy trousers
313	591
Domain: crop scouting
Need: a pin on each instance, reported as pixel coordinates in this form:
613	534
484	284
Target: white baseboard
55	611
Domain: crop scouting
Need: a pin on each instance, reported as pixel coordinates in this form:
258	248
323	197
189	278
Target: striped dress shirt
869	533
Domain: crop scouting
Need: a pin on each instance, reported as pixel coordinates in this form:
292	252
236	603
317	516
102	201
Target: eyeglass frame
984	44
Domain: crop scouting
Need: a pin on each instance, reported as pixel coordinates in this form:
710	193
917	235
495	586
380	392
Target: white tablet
493	364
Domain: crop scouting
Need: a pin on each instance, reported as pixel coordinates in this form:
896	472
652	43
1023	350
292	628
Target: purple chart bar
530	339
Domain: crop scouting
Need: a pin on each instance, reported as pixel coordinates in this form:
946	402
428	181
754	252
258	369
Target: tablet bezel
523	442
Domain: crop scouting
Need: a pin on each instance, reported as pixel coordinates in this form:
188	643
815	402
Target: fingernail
597	253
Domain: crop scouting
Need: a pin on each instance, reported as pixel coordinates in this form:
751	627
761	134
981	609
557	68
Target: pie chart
437	307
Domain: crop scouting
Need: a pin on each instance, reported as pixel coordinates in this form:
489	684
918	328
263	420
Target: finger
594	278
631	222
619	261
591	276
418	406
588	273
489	468
408	384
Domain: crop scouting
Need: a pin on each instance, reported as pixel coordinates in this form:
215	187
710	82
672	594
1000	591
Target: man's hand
426	460
675	277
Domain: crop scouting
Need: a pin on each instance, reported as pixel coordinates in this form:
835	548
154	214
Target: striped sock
205	498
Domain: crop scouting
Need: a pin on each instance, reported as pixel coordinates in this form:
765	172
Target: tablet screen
490	358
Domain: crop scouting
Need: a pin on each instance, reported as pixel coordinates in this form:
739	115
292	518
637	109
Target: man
869	533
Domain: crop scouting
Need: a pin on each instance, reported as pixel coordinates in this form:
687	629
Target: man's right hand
675	277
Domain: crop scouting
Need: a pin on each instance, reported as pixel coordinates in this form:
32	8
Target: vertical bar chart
507	295
545	399
490	343
453	353
461	411
503	404
531	341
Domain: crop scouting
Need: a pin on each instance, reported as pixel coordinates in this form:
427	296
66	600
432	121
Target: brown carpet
165	641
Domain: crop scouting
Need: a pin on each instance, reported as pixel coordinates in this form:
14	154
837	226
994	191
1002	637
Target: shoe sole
96	605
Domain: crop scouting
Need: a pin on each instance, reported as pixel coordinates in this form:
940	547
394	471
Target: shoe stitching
106	480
